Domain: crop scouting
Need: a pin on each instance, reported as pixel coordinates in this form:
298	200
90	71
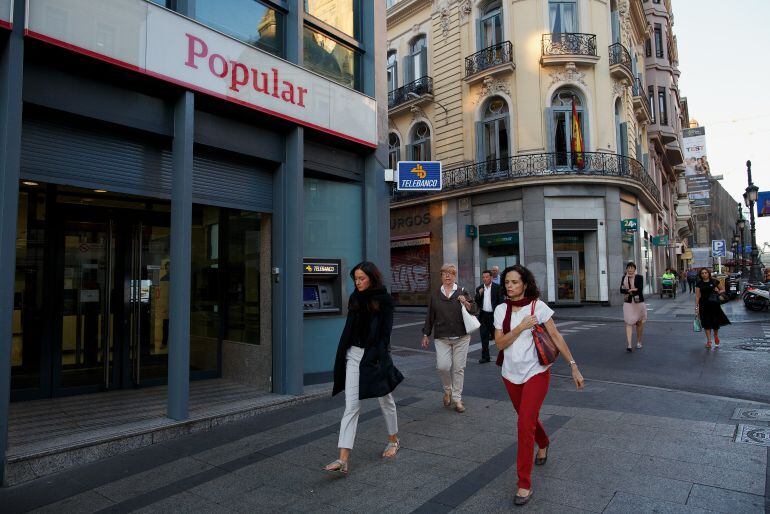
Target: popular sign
146	38
419	176
5	13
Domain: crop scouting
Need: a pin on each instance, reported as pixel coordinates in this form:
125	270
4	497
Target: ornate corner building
557	150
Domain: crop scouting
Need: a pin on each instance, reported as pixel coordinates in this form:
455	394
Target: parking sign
718	248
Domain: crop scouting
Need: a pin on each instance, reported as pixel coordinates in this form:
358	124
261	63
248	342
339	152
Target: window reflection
247	20
331	59
340	14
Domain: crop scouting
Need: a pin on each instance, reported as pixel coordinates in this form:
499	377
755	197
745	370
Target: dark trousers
691	283
486	331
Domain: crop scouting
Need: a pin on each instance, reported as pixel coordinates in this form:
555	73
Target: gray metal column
11	75
535	249
181	235
288	222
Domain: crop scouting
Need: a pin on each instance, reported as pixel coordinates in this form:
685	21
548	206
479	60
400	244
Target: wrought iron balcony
558	164
412	91
620	62
490	57
560	47
637	88
641	104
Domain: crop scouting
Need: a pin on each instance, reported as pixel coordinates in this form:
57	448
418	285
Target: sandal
447	400
708	345
391	445
339	467
638	346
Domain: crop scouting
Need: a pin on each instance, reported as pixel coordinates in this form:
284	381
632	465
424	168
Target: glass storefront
330	58
498	245
93	275
248	20
340	14
569	265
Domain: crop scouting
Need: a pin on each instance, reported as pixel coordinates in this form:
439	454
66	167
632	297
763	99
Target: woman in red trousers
524	377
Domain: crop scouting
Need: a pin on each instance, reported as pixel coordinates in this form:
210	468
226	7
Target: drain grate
751	414
753	435
753	344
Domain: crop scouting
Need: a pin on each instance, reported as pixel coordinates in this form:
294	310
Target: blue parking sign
718	248
419	176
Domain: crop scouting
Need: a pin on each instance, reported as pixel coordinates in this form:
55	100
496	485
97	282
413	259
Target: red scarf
509	311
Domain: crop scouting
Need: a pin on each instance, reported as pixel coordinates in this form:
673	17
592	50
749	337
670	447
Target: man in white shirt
495	275
487	298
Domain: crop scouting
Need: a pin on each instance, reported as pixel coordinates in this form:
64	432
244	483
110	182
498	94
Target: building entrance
113	289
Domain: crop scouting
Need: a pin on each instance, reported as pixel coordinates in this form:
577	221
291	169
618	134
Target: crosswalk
766	330
581	326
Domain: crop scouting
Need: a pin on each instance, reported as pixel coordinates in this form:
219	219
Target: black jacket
497	296
638	284
378	374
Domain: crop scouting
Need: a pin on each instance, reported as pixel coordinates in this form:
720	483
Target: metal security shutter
94	156
226	180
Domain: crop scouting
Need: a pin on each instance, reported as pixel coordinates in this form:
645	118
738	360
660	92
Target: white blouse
521	362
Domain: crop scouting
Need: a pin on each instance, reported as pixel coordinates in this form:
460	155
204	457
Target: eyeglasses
446	273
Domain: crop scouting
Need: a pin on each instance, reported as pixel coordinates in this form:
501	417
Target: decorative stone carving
417	113
465	9
619	88
492	86
569	74
416	29
444	19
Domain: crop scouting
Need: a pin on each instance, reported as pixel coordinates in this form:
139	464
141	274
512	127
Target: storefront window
499	245
330	58
340	14
570	265
248	20
243	243
28	323
205	302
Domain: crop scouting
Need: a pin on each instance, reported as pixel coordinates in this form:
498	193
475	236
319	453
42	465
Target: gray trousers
451	356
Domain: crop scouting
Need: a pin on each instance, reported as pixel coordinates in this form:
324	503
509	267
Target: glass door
86	350
147	291
567	276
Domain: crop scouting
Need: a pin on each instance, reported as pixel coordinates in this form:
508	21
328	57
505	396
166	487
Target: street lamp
741	228
750	197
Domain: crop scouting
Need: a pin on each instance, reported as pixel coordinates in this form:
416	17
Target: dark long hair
530	285
701	278
375	287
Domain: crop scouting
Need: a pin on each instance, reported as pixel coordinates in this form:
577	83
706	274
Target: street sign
718	248
471	231
629	224
660	240
419	176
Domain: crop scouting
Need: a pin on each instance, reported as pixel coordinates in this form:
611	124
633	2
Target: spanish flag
577	140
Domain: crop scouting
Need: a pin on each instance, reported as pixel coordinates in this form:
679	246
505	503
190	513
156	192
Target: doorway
112	287
567	266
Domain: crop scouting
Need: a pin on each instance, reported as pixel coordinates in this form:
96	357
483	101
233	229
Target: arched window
490	26
416	63
493	135
392	71
419	148
561	135
394	150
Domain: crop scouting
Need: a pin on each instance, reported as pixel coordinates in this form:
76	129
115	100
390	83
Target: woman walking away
363	367
634	308
525	379
707	306
445	320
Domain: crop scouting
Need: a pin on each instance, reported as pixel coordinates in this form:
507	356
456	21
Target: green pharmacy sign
629	224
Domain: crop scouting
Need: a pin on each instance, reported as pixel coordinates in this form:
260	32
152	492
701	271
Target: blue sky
724	57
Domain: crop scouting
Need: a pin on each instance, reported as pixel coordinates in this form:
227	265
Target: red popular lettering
192	41
237	79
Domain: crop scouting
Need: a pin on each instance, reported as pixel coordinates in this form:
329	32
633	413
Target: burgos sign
149	39
419	176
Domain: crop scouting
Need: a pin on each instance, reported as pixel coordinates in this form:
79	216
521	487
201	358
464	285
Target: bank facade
498	91
186	187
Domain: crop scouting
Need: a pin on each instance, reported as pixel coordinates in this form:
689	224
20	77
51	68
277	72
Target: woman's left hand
577	377
464	301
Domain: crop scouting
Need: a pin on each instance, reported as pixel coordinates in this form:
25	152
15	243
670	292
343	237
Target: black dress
711	314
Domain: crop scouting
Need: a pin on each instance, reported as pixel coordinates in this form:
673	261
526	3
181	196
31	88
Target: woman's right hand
528	322
424	341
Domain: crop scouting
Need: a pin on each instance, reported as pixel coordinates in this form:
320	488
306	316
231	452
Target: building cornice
405	10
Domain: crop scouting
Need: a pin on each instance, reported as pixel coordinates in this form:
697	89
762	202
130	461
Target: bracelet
572	363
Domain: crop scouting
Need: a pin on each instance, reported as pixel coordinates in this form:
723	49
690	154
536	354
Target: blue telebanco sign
419	176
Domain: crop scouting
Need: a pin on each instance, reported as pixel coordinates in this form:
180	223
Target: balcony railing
619	55
543	165
488	58
569	43
421	86
637	88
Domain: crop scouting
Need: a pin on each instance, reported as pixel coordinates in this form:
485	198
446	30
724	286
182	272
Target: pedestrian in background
525	379
683	280
708	307
363	367
496	274
487	298
692	279
634	308
445	322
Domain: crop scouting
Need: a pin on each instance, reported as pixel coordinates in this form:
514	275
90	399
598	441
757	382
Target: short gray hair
449	267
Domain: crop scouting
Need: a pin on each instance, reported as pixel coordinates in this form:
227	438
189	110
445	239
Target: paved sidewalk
615	448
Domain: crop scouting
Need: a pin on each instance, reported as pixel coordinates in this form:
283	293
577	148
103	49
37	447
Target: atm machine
321	287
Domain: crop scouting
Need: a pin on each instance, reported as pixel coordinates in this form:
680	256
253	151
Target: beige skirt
633	313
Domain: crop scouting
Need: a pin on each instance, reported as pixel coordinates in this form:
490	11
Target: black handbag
717	298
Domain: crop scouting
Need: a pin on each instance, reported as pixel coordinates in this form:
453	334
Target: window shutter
646	163
409	152
549	129
428	155
423	62
408	69
638	150
507	121
479	34
395	74
480	157
624	139
615	27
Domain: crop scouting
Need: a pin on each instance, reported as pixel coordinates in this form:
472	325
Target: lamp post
750	197
741	228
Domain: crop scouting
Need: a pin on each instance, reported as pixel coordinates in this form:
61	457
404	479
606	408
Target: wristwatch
572	363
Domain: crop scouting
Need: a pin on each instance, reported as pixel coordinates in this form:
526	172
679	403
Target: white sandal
339	467
391	444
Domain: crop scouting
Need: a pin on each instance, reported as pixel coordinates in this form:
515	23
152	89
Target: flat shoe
391	444
540	461
459	407
629	350
337	468
447	400
522	500
638	346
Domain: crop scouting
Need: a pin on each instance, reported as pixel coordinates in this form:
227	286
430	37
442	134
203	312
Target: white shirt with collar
454	288
487	304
